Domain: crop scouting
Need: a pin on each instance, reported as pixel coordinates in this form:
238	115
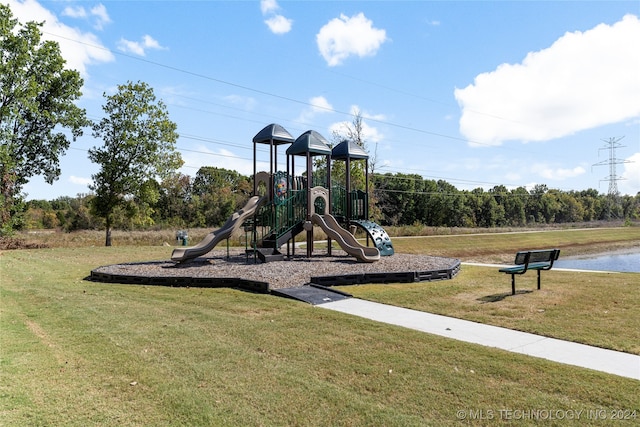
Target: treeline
180	201
409	199
209	198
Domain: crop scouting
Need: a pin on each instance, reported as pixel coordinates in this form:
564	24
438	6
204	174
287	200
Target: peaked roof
274	132
348	150
309	142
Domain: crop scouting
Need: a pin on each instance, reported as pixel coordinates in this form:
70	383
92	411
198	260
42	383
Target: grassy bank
78	353
501	247
96	238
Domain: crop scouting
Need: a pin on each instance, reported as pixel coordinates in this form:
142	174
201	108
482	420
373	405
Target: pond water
612	261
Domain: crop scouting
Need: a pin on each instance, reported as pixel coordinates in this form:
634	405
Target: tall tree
514	206
354	132
139	145
221	191
37	97
176	205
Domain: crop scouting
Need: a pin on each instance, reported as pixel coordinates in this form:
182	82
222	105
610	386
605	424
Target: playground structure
284	205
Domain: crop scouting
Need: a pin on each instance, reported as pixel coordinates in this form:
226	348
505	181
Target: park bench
531	260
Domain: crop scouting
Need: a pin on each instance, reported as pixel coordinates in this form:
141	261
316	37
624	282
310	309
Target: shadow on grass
500	297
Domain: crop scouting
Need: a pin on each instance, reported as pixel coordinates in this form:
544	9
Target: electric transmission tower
613	208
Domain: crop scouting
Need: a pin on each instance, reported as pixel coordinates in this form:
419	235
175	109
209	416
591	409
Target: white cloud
268	6
367	115
99	12
247	103
317	105
80	180
79	49
101	15
343	37
558	174
131	47
150	43
278	24
75	12
370	133
631	183
513	176
203	156
139	48
584	80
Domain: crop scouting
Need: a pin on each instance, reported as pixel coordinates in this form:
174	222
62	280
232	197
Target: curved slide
345	239
222	233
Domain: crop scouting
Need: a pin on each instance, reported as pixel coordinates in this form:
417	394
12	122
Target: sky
479	94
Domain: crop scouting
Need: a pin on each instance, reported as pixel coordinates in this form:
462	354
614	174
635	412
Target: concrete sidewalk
570	353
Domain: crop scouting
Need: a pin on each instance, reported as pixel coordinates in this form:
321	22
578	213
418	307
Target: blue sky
476	93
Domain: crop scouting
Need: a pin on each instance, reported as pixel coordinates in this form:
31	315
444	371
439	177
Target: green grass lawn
600	309
78	353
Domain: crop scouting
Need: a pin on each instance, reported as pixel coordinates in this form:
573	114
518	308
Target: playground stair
275	241
267	254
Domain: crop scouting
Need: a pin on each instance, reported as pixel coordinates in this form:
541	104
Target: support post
328	207
309	207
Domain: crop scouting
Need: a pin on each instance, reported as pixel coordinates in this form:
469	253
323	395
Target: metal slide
346	240
222	233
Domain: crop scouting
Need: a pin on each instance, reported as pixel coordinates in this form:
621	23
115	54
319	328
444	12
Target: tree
176	204
354	132
515	205
591	203
139	145
446	206
534	207
222	192
37	97
395	194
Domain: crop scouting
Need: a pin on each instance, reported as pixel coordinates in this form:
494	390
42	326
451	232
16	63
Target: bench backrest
545	255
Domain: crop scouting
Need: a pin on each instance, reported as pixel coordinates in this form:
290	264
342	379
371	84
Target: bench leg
538	279
513	284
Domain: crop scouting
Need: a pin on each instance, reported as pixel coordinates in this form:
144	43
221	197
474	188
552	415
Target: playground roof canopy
348	150
273	132
310	142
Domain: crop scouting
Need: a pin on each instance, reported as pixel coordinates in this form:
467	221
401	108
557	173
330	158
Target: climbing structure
298	202
352	204
310	144
284	204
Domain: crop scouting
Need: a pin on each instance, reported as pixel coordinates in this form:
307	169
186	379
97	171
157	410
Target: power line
285	98
446	193
459	180
270	94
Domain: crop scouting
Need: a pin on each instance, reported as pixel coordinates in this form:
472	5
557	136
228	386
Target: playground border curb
381	278
181	281
263	287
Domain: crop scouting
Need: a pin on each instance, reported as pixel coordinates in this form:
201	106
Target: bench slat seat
539	260
515	269
540	266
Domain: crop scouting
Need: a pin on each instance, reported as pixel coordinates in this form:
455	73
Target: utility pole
613	178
